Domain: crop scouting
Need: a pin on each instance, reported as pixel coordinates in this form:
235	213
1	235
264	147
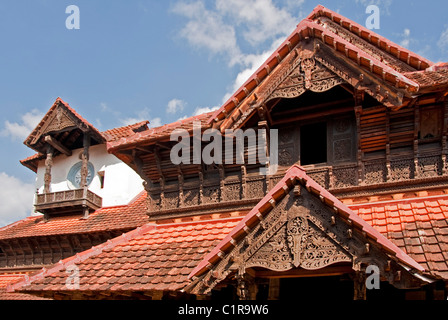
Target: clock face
74	175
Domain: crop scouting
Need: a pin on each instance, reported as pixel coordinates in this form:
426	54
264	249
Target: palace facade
361	188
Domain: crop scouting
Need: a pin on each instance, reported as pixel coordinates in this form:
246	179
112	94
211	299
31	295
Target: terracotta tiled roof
126	131
105	219
32	162
430	78
293	176
418	226
373	38
152	257
311	27
5	280
155	134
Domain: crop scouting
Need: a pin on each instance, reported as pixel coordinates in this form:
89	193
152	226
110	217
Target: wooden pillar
85	160
246	287
180	178
444	137
388	168
358	112
274	289
48	165
359	282
416	132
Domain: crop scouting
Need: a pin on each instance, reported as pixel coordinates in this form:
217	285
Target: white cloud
406	38
222	29
261	20
104	106
142	115
202	110
258	26
16	201
443	40
21	130
206	29
252	63
155	122
175	105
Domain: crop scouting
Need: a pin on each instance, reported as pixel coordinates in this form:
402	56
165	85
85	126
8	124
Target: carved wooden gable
295	239
59	119
319	55
301	232
63	124
302	73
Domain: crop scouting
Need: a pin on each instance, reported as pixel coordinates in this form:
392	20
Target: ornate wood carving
307	75
298	243
85	160
292	235
301	232
59	120
48	165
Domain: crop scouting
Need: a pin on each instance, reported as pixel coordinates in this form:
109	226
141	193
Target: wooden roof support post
48	165
416	133
274	289
246	286
358	112
388	168
85	160
359	282
444	136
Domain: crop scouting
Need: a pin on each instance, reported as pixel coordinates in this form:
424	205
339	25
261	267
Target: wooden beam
299	272
58	146
313	115
48	165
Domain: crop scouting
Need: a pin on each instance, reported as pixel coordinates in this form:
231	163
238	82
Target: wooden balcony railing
70	201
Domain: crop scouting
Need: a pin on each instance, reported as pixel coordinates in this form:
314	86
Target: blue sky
156	60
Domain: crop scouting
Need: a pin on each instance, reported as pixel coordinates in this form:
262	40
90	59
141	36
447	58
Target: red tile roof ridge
293	175
397	201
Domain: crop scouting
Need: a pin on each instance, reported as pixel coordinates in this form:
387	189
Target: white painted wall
121	183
